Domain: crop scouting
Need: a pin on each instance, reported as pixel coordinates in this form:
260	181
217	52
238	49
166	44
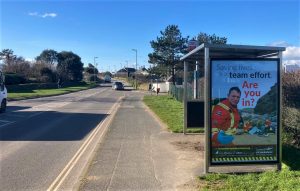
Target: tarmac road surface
39	137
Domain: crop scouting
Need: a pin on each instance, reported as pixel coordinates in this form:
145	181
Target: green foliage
69	66
287	179
210	39
48	56
7	55
47	75
11	79
91	69
93	78
291	108
291	126
168	48
291	156
271	180
291	89
17	92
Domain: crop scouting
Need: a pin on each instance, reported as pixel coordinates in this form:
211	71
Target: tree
91	69
158	70
7	57
69	66
7	54
49	57
210	39
47	75
168	48
14	64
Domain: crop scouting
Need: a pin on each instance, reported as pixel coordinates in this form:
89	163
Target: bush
291	89
291	126
291	108
31	86
36	86
12	79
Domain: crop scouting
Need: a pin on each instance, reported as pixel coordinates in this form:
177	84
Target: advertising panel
244	117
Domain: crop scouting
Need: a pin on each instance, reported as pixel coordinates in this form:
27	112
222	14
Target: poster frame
279	144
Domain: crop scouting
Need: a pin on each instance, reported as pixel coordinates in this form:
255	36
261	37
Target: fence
177	92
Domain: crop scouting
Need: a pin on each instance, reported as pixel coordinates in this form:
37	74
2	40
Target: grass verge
169	111
18	94
272	180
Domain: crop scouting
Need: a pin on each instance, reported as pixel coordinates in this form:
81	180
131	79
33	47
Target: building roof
126	70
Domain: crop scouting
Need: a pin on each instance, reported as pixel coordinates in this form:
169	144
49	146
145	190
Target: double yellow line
103	125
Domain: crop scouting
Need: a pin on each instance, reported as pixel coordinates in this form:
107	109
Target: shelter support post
206	109
196	80
185	76
279	166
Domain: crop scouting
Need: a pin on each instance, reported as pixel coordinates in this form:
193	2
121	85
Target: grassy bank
169	111
25	92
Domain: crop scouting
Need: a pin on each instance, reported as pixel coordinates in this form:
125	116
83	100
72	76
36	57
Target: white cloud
279	43
33	14
36	14
49	15
292	53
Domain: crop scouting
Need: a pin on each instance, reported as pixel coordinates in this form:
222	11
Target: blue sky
110	30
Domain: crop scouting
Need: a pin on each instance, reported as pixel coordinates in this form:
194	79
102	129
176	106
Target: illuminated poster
244	118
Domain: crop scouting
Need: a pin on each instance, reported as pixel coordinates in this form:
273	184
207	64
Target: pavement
139	153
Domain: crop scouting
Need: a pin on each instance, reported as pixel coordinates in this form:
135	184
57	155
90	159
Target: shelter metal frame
202	55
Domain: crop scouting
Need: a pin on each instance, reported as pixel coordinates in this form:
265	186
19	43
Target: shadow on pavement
15	108
52	126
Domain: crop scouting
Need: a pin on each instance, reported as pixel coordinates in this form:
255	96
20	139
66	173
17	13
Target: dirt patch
194	184
188	145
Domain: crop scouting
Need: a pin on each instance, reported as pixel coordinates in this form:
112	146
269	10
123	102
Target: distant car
118	86
107	78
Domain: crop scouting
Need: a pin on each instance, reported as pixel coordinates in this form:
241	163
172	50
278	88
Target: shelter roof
232	51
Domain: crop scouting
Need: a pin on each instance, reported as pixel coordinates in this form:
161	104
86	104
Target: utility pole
135	50
95	69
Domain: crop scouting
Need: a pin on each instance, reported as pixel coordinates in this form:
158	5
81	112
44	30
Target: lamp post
135	50
95	69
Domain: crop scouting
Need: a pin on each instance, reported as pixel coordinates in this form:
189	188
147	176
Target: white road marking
4	121
7	123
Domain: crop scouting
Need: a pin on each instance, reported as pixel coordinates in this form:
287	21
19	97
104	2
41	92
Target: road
39	137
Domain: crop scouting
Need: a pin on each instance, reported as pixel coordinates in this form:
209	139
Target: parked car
118	86
3	94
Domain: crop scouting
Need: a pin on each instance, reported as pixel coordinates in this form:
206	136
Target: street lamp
135	50
95	69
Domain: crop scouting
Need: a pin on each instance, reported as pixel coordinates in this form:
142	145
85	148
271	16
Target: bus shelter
234	93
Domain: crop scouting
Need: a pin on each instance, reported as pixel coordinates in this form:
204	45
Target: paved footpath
137	153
